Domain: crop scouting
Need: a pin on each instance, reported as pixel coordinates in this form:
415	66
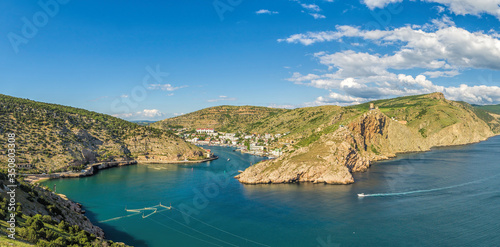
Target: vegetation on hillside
43	221
427	114
54	137
491	108
223	118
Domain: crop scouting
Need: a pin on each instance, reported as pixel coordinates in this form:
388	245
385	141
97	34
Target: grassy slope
223	118
52	136
491	108
5	241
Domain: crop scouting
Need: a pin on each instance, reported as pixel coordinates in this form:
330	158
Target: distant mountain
55	138
491	108
143	122
223	118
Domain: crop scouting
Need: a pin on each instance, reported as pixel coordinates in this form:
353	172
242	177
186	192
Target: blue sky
157	59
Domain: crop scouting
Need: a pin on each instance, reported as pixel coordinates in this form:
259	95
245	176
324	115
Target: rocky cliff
417	125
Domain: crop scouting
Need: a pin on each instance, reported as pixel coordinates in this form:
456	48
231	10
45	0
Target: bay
445	197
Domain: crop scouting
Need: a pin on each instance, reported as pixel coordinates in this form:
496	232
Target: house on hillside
205	131
24	166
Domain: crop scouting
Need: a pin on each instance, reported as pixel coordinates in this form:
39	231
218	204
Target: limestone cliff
417	125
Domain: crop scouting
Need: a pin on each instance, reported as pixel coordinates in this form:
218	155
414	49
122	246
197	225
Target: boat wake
425	191
153	209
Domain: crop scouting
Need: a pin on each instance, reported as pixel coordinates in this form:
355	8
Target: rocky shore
89	171
354	147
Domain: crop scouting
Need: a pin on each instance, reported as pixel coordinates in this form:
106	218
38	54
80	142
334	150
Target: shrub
63	226
47	219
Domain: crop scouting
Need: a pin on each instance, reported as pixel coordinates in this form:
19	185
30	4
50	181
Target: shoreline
239	149
94	168
432	148
386	157
178	162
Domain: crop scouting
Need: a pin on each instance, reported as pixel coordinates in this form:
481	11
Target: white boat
228	159
361	195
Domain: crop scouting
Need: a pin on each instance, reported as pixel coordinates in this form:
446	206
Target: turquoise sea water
445	197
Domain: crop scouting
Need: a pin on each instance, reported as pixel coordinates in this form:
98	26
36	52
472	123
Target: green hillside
46	219
491	108
223	118
427	114
54	137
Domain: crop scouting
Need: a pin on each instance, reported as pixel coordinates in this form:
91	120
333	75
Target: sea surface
445	197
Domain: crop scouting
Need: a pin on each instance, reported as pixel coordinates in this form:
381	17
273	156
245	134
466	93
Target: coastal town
269	145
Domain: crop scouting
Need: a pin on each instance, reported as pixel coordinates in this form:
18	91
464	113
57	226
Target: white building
254	147
276	152
205	131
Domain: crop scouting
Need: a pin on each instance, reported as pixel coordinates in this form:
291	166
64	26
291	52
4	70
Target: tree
247	144
60	241
31	235
47	219
43	243
63	225
37	224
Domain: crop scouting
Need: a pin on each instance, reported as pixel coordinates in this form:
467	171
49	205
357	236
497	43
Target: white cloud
311	7
474	94
178	114
221	98
282	106
372	4
150	113
164	87
317	16
448	47
266	11
445	73
339	99
458	7
439	48
144	114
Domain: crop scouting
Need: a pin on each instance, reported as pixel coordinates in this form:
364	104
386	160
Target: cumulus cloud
474	94
449	47
144	114
439	48
458	7
339	99
164	87
266	11
221	98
